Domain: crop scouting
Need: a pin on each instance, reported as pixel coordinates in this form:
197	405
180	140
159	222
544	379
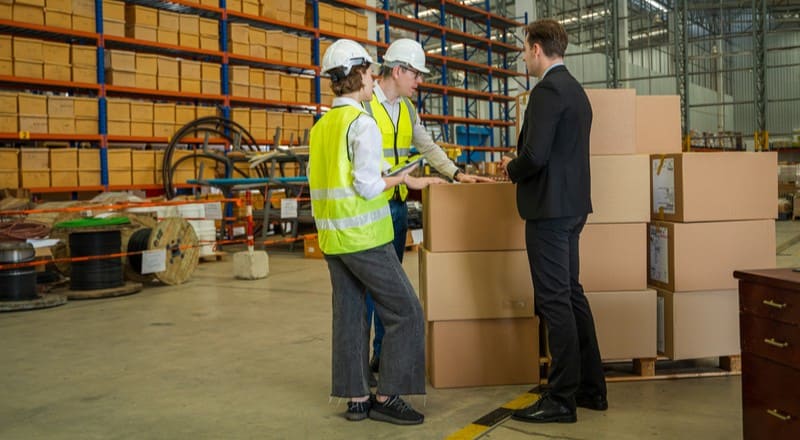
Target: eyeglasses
417	75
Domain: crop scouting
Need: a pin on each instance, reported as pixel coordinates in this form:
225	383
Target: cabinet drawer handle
774	343
775	413
771	303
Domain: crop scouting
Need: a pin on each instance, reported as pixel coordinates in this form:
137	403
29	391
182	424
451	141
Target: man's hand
504	161
469	178
421	182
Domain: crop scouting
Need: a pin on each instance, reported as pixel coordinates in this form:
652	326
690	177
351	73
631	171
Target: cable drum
17	284
138	242
96	274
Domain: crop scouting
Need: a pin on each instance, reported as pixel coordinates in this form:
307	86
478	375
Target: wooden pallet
662	368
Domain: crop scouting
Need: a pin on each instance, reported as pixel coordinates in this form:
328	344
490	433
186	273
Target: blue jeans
399	212
378	270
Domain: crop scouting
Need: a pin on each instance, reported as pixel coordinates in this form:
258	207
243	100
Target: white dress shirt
421	138
366	151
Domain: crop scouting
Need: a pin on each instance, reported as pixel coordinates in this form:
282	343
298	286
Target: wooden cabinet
769	303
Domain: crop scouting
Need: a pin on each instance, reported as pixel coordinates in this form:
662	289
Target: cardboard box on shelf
9	178
9	123
121	78
119	127
466	353
83	23
169	83
63	178
189	24
450	218
189	85
188	40
33	123
146	81
113	27
241	115
210	87
83	56
86	126
164	112
56	53
630	338
88	177
143	177
239	74
205	110
29	49
619	189
119	158
686	257
28	69
190	69
693	187
209	72
57	72
89	159
141	111
30	178
143	159
475	285
28	14
209	43
168	20
163	129
58	19
6	67
85	107
120	60
114	9
613	121
141	15
9	158
209	27
34	158
658	124
60	106
250	7
84	74
120	177
701	324
167	36
30	104
142	128
184	114
141	32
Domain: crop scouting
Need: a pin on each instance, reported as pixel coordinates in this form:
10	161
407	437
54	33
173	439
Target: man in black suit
553	196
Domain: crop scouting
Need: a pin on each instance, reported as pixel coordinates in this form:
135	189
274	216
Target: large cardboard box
483	352
34	158
702	256
141	15
475	285
613	257
658	124
29	49
120	60
56	53
619	189
472	217
613	121
625	323
703	187
695	325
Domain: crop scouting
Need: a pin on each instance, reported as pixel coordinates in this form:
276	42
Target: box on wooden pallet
695	325
467	353
63	178
33	178
686	186
702	256
631	338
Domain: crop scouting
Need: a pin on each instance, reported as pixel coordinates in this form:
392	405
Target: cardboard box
241	116
9	158
141	111
686	257
56	53
86	126
54	18
210	87
454	213
121	78
250	8
164	113
85	107
30	178
629	338
28	69
141	32
60	125
84	75
119	127
64	178
84	23
118	158
163	129
209	27
210	72
60	106
27	49
694	325
694	187
169	83
88	177
190	85
143	177
114	27
89	159
483	352
619	189
167	36
204	110
168	20
83	56
141	128
34	158
658	124
146	81
6	66
475	285
189	24
9	123
188	40
119	109
30	104
190	69
209	43
28	14
140	15
120	177
9	178
33	123
184	114
613	121
114	9
143	159
311	248
613	257
120	60
57	72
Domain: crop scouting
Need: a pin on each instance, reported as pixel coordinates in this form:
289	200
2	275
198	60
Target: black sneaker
395	410
358	410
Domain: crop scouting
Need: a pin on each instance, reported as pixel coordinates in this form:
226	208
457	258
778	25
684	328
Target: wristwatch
456	175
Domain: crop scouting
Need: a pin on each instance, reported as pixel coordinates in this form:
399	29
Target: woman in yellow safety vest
355	233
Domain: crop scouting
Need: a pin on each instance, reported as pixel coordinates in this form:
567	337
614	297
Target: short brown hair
550	35
350	83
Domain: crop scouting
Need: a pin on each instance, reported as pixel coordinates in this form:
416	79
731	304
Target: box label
288	208
663	173
154	260
659	253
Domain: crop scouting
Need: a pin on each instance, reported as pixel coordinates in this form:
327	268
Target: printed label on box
213	211
288	208
659	253
154	260
664	185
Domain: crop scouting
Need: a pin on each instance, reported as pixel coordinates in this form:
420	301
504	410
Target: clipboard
406	167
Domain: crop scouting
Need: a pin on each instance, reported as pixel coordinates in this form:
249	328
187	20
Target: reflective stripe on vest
396	139
346	222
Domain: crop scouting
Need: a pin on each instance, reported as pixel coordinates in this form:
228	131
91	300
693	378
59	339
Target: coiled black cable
96	274
138	242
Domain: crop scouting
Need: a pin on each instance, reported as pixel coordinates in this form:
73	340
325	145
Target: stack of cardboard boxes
34	165
54	114
6	55
25	11
121	68
9	160
114	18
28	57
58	13
339	20
63	167
476	289
141	23
712	213
84	64
83	16
56	58
168	25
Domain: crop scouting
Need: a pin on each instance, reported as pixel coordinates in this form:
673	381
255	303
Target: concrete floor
221	358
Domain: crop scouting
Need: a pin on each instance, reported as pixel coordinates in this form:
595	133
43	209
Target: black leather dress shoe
596	402
545	410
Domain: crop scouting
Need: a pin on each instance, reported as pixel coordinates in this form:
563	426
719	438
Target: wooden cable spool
171	234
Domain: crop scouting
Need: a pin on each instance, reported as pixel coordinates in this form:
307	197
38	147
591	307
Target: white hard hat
406	52
345	54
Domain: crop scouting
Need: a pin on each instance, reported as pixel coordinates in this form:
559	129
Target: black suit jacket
552	165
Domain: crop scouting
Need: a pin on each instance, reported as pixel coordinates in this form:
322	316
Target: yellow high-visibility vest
346	222
396	139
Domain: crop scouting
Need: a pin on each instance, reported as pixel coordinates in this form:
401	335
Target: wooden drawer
771	339
770	399
769	302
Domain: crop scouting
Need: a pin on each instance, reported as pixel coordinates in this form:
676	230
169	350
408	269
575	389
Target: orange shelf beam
50	137
53	31
164	93
48	83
